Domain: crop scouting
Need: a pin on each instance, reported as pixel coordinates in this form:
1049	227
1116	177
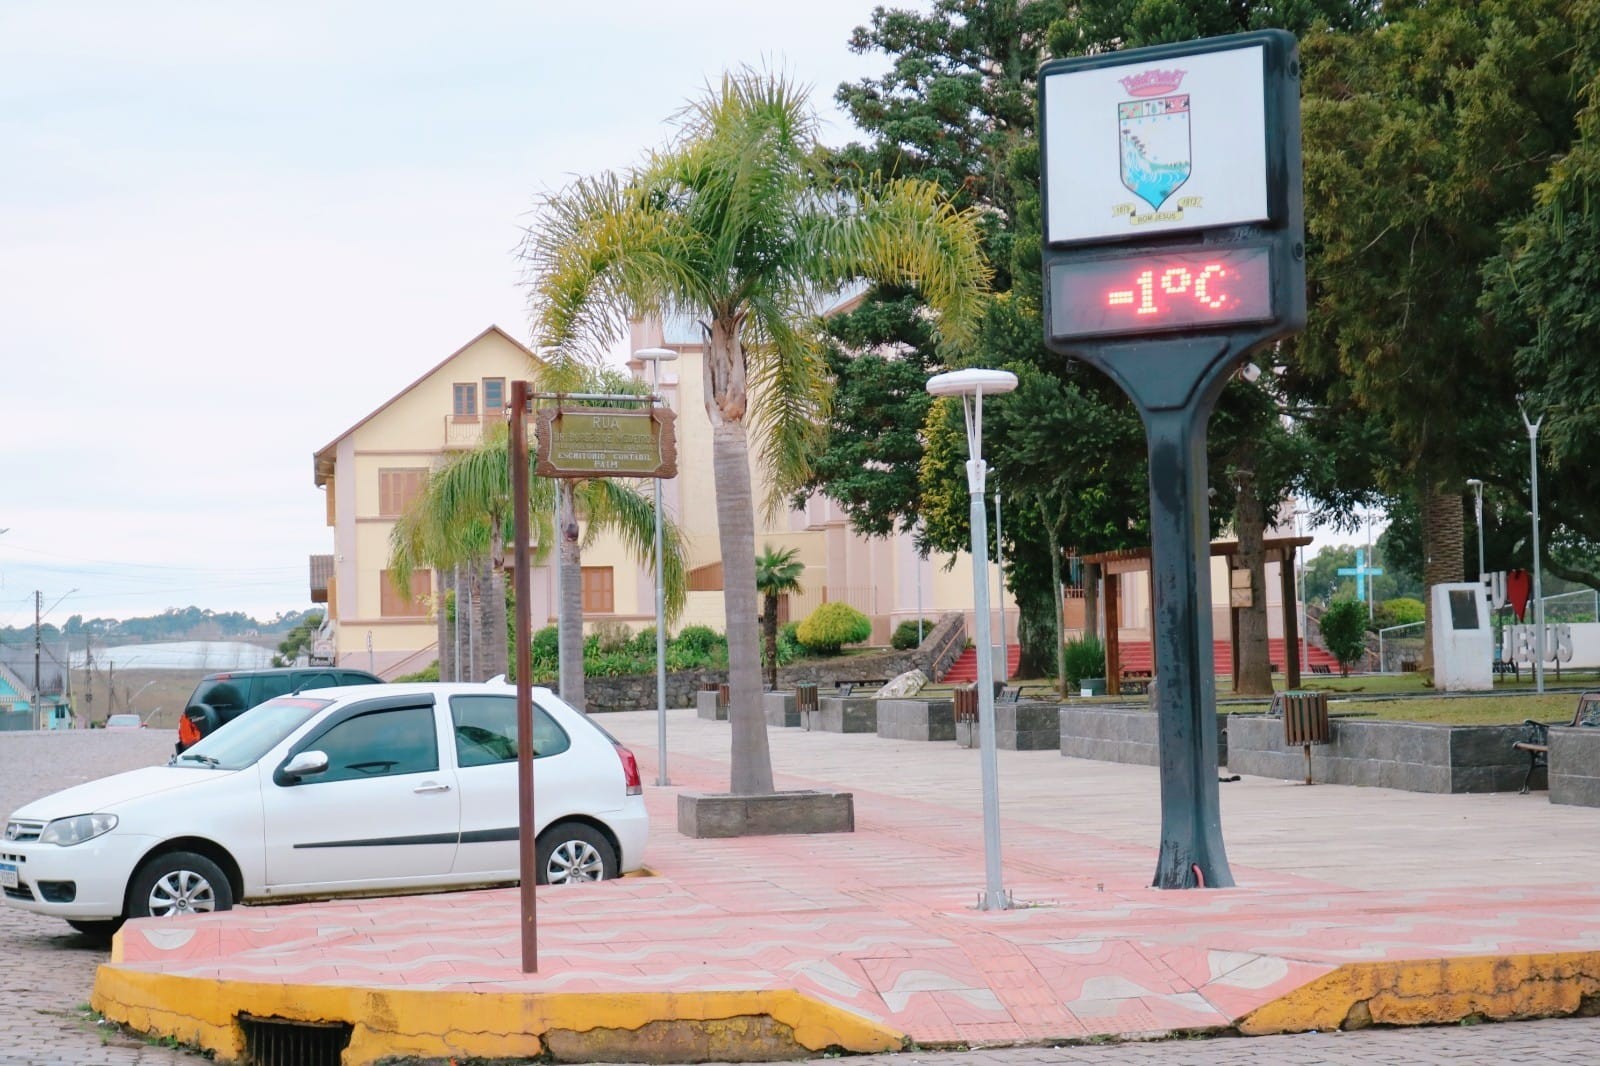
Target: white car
342	791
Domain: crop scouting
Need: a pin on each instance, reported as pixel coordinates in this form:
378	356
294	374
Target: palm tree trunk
726	398
570	638
769	634
444	627
1255	667
1058	598
1442	535
474	621
494	609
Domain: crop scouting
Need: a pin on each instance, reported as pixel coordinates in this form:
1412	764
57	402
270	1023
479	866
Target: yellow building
371	471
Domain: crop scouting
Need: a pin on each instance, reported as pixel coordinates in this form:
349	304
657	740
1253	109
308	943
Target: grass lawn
1396	697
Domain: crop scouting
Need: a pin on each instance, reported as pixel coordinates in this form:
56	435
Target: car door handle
431	786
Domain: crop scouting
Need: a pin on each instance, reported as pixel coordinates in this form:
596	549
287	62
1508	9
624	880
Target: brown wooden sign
581	442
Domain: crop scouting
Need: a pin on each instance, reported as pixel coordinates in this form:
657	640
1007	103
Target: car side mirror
303	764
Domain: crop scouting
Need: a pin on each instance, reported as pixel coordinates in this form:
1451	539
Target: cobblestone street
48	970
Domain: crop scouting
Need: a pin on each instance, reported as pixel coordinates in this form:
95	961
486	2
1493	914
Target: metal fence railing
1398	646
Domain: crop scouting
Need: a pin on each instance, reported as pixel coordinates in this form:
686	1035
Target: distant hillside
186	623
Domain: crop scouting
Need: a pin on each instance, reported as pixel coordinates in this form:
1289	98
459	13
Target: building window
599	592
396	603
494	395
397	487
466	401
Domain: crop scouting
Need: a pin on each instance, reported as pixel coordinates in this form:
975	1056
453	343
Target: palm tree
464	511
777	574
737	223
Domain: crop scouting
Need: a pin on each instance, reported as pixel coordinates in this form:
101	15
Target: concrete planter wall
707	706
1575	766
726	815
638	692
844	714
1122	734
1414	756
917	719
1027	726
779	708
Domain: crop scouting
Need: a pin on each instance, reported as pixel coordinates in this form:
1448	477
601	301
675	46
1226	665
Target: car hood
108	793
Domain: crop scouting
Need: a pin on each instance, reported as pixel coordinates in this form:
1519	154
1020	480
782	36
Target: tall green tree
1423	138
778	573
735	223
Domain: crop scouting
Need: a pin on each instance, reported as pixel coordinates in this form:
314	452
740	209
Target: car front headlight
75	830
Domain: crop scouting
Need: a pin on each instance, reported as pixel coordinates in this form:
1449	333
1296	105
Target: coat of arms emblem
1154	132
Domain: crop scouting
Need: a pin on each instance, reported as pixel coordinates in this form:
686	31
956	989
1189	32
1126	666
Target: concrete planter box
1413	756
1027	726
705	704
1123	734
844	714
725	815
779	708
917	719
1575	766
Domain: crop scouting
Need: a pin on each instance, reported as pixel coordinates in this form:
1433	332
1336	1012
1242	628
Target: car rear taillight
630	771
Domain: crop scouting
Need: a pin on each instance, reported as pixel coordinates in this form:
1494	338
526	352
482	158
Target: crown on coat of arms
1153	82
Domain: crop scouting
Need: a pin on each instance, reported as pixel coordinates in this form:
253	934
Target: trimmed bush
832	626
905	634
1400	611
427	673
699	639
1344	631
1086	657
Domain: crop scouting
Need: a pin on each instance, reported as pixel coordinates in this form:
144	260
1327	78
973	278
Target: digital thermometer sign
1158	291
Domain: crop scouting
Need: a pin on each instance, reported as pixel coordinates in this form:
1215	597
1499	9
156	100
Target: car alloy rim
181	892
575	860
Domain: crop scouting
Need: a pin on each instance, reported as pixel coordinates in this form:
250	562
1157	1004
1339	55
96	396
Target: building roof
18	659
1125	560
322	459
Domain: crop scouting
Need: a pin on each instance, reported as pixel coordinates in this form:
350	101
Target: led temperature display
1160	291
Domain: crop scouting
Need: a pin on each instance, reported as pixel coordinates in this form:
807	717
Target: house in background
21	705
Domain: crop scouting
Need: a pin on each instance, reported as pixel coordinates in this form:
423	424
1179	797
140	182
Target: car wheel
99	930
570	853
179	882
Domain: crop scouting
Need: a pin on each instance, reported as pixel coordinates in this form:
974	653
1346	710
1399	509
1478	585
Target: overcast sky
228	231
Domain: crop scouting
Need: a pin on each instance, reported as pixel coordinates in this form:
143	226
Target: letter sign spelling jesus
1173	245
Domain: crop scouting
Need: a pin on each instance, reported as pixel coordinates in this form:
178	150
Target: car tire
178	882
572	853
96	930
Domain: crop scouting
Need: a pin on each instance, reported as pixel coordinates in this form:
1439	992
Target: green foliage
1086	657
616	637
1344	631
1400	611
700	639
427	673
905	634
298	639
831	626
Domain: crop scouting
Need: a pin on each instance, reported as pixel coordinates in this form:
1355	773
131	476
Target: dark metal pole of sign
1170	252
523	585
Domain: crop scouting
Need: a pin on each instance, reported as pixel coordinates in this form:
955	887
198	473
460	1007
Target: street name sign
580	442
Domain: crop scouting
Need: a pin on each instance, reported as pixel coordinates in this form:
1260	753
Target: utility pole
38	644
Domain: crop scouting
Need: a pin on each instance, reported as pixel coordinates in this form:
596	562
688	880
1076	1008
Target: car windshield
242	741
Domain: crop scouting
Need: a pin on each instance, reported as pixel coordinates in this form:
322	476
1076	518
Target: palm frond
619	508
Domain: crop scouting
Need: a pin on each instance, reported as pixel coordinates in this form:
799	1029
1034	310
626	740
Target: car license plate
8	875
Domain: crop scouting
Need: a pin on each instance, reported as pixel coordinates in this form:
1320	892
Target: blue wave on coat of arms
1148	179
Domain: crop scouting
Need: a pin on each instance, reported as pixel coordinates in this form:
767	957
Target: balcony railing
462	435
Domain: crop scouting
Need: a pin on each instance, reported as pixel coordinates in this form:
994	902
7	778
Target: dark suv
223	697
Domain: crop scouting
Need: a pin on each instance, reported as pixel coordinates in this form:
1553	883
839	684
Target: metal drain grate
283	1042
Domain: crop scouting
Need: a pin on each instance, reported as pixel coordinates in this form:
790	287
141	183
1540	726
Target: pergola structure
1278	550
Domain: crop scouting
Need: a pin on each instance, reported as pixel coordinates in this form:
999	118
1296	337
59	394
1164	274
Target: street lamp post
655	357
1476	485
970	385
1538	585
1000	568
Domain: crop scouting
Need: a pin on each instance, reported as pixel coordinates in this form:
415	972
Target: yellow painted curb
1432	992
570	1026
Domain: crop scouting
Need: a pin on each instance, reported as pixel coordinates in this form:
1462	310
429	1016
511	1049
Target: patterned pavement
882	923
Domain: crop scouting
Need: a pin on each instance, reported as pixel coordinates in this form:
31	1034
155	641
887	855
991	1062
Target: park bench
1321	668
1502	667
1137	681
1536	735
847	688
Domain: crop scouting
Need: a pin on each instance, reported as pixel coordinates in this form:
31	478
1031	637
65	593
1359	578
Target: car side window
379	744
486	731
305	682
271	686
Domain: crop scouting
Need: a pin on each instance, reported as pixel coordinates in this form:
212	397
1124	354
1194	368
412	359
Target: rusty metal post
523	589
